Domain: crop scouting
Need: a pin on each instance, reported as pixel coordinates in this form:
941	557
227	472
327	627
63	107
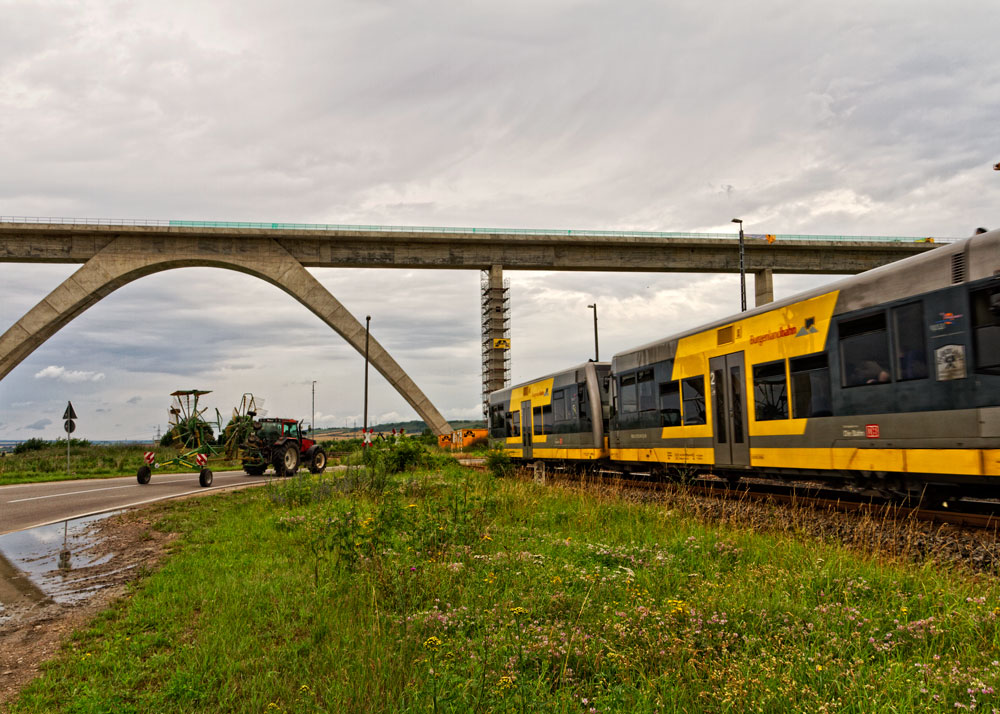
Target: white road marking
89	490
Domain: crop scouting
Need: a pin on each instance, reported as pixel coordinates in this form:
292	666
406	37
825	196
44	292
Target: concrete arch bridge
115	253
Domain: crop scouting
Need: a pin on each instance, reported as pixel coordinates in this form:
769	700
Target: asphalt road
35	504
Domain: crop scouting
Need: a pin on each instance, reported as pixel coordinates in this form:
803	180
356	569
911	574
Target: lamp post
312	423
597	353
743	275
368	319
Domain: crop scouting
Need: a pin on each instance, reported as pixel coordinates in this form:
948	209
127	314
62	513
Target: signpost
70	426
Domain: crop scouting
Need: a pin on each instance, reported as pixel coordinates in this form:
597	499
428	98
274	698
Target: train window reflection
629	401
770	391
515	423
693	392
670	404
810	386
864	351
911	352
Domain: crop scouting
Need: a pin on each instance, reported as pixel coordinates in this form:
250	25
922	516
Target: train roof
553	375
932	270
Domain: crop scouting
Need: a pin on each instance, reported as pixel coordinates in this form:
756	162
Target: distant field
446	590
93	461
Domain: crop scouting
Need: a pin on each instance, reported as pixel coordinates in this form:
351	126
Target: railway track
979	514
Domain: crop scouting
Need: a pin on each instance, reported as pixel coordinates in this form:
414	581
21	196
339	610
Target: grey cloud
38	425
134	400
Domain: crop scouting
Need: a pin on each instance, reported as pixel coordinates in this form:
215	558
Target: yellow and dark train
889	379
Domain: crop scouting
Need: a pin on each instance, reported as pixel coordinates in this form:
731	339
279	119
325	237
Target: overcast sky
853	118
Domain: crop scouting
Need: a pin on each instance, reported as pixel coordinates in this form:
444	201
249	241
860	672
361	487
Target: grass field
91	461
451	591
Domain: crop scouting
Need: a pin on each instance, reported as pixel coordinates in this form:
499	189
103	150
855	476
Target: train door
729	410
526	428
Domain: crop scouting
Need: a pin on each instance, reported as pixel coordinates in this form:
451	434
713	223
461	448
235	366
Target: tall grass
452	591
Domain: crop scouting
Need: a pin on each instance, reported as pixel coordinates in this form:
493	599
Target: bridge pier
763	283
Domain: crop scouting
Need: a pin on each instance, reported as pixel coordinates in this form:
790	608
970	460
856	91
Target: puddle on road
30	560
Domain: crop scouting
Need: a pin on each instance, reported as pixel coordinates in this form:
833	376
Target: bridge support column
127	258
496	326
763	283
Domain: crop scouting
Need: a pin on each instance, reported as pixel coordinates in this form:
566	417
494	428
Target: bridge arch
126	259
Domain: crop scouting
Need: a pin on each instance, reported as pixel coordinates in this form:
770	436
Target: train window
537	422
515	423
810	386
864	351
986	329
498	425
647	390
670	403
911	352
573	402
693	392
584	403
721	423
629	402
558	406
770	391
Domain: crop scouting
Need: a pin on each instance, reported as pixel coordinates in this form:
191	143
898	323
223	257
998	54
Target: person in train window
873	373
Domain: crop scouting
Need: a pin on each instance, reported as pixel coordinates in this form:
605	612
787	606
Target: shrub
33	444
498	463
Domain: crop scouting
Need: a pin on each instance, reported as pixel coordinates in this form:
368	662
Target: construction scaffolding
496	332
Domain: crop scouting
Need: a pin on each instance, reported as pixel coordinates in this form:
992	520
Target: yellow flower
505	683
412	505
556	580
819	668
519	611
432	644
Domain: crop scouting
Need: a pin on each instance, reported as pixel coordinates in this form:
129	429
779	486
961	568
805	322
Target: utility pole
368	320
597	352
743	275
312	423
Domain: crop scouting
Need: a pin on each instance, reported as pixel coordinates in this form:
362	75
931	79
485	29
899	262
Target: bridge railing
466	230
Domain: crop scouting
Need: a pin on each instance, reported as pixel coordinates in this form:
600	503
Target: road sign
69	426
69	413
201	459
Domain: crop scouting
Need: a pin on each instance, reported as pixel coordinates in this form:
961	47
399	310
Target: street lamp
743	275
368	319
312	423
597	353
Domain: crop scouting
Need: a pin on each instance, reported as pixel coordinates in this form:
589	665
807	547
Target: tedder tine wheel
205	477
143	474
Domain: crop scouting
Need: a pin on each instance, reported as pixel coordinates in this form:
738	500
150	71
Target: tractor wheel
286	460
317	460
143	474
205	477
254	469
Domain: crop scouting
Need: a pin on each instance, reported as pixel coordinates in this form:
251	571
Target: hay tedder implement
256	443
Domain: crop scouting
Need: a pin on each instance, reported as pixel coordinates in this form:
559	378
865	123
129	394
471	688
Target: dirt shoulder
123	547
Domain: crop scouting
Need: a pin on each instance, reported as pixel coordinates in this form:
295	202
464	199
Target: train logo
809	328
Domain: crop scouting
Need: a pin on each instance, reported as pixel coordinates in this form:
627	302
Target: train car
890	378
553	418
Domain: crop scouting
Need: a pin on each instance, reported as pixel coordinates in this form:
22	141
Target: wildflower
432	644
819	668
519	611
557	580
505	683
412	505
413	568
304	688
486	536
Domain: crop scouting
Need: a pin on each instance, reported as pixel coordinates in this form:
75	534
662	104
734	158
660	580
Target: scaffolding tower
496	332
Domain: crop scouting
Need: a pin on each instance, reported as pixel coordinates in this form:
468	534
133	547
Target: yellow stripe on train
964	462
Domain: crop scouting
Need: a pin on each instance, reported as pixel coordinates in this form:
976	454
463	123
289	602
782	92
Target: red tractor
279	443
